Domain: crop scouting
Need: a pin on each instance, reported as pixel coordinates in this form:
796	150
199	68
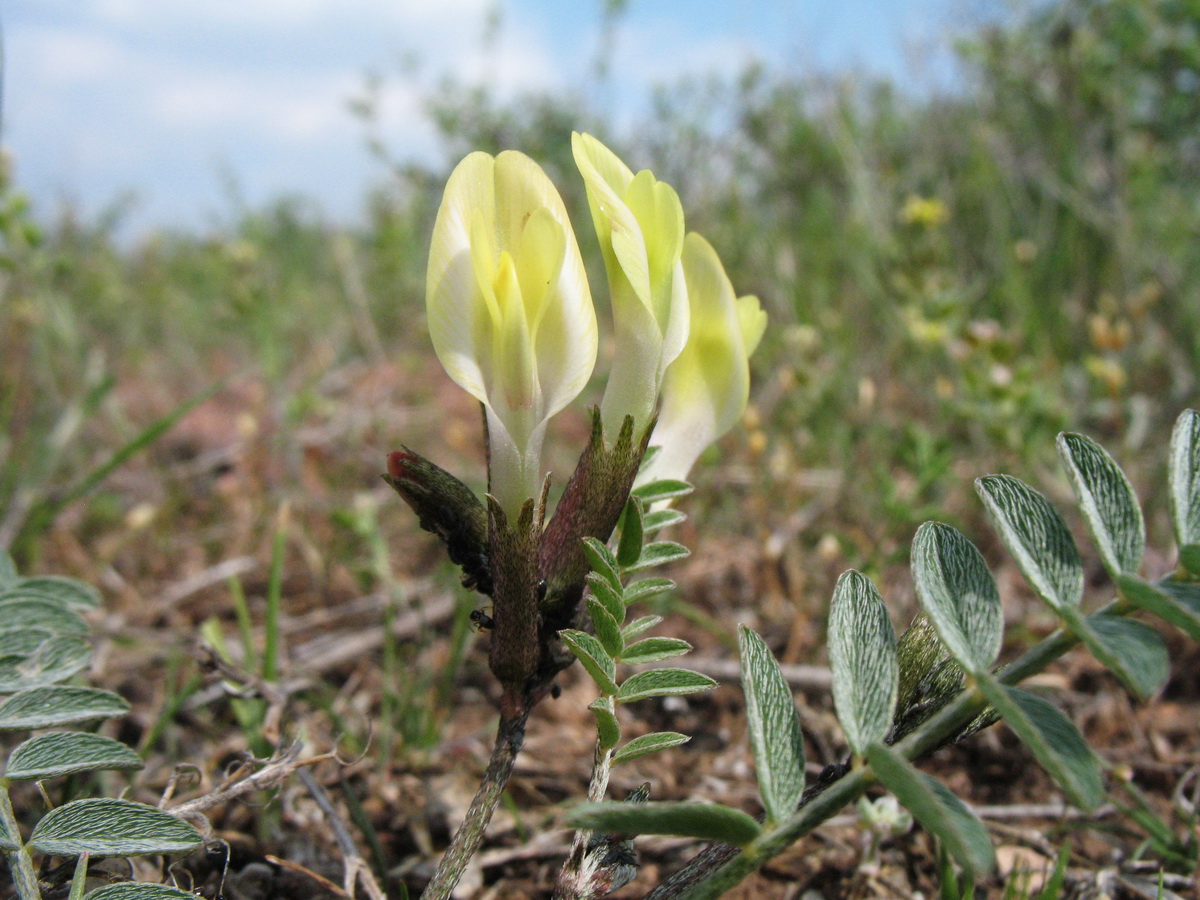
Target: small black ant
482	621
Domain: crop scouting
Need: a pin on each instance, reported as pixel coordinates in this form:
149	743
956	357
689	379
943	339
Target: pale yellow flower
706	388
639	222
509	309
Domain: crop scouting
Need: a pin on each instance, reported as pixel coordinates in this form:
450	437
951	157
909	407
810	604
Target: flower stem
577	874
510	736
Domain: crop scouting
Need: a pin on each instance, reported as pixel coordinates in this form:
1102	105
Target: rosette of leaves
43	645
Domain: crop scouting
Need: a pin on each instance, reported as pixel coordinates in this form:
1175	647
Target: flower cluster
511	317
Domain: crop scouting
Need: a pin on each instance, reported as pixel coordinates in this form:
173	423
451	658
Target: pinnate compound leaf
65	753
608	729
654	649
663	683
1107	501
775	735
658	519
1185	485
136	890
629	548
67	591
593	657
659	553
647	588
862	655
1132	650
602	561
639	626
657	491
108	827
1037	537
706	821
936	808
57	705
958	594
1051	737
1175	602
604	592
649	743
36	612
608	630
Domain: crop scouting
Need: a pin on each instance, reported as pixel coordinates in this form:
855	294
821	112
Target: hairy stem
20	866
510	736
718	867
576	874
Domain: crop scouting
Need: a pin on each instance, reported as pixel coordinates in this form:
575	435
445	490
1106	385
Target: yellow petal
706	388
753	320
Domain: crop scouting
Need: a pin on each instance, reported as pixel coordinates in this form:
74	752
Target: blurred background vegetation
952	278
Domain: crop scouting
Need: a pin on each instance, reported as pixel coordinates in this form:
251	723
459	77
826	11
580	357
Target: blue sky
173	100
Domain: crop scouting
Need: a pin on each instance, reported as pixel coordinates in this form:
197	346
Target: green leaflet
659	553
106	827
602	561
629	548
656	491
594	658
647	744
608	729
62	753
1132	650
640	625
1107	501
133	890
936	808
608	629
1184	467
654	649
958	594
663	683
1037	537
55	659
604	592
36	612
647	588
1052	738
67	591
774	727
1176	602
706	821
57	705
862	655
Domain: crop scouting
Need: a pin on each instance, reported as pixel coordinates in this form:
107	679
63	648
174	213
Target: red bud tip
396	462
